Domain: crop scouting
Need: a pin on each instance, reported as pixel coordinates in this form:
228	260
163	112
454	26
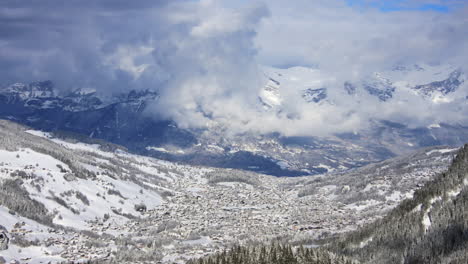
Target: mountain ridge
127	120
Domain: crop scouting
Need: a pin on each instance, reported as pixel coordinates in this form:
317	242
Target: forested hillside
275	254
430	228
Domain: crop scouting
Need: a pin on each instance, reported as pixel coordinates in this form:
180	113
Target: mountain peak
41	89
314	95
83	92
443	87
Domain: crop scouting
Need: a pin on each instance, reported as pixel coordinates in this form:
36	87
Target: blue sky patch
401	5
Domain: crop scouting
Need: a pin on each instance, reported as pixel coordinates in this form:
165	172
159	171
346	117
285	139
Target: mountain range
126	119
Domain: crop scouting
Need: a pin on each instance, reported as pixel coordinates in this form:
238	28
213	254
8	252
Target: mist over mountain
350	135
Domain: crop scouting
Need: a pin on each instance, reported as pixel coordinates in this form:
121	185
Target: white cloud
126	58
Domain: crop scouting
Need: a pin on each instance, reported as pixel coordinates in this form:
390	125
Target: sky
405	5
205	57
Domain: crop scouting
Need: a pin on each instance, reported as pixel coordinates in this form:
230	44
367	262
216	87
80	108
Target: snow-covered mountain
301	82
66	200
431	82
125	119
42	95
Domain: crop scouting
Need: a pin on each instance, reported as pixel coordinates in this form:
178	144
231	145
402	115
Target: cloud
75	43
209	64
334	35
204	56
351	43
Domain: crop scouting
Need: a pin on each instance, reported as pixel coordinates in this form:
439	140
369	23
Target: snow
215	148
365	242
441	151
161	149
299	78
243	185
328	189
270	94
151	169
31	255
39	133
85	91
434	126
228	184
35	231
395	196
18	160
362	205
417	208
196	190
379	187
283	164
426	221
454	193
94	148
8	221
81	146
296	79
422	75
323	166
435	199
95	190
201	241
157	149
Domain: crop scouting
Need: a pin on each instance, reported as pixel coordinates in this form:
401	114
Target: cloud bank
204	56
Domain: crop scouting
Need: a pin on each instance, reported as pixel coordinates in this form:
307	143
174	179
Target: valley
98	205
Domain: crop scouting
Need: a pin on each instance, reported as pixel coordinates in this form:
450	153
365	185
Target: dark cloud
69	42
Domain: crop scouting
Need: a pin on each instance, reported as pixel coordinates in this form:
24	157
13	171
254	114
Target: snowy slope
48	179
80	186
